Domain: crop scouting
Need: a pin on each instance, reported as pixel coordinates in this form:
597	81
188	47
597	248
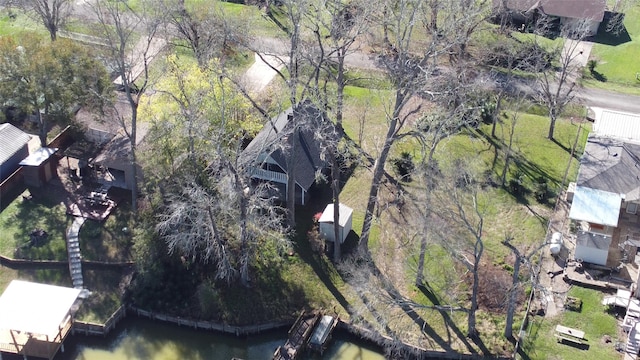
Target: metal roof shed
592	248
596	206
39	167
35	318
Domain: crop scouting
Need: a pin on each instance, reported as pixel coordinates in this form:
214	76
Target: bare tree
555	87
205	27
213	214
522	258
120	26
615	25
458	205
51	13
454	94
509	153
344	23
410	64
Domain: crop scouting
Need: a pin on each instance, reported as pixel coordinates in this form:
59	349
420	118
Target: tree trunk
291	178
43	128
335	185
378	171
511	305
479	248
335	168
552	125
132	139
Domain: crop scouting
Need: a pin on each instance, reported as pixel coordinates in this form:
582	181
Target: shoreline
387	346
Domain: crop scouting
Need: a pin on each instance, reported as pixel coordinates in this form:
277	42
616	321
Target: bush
591	65
404	166
516	184
541	191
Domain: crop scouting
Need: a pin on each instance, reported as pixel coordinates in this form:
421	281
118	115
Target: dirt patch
495	286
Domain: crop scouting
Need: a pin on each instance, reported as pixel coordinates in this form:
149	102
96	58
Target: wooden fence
30	264
62	140
89	328
211	326
11	187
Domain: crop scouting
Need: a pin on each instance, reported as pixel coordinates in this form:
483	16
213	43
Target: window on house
632	208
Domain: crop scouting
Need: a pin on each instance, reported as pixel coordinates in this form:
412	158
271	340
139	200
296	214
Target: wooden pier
298	336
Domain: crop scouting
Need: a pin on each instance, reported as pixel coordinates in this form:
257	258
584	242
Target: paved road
610	100
272	46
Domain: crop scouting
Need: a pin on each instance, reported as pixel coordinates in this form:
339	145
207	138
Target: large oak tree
48	79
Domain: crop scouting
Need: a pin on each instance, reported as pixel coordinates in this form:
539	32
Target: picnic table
569	334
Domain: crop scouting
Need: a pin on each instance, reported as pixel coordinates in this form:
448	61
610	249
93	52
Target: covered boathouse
35	318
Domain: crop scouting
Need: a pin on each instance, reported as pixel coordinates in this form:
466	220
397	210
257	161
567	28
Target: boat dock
307	326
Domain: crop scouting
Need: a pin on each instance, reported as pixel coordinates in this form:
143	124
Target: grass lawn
23	216
107	288
15	23
523	217
540	342
618	63
106	241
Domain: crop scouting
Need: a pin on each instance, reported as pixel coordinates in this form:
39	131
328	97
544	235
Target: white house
326	222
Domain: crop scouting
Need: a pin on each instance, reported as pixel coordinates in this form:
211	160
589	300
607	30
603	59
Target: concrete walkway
260	74
578	54
73	252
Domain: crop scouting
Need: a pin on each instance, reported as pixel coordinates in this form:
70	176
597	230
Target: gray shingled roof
576	9
275	140
611	165
12	140
593	240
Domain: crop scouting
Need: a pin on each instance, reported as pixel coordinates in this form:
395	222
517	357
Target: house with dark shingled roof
267	155
567	11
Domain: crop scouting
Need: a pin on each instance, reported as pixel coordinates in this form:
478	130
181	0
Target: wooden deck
33	345
298	337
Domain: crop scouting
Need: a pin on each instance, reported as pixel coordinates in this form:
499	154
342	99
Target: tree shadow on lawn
40	211
320	265
426	289
606	38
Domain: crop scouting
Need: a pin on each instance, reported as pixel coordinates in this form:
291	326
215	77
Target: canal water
136	338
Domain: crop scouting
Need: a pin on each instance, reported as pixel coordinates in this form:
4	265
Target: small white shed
326	222
592	248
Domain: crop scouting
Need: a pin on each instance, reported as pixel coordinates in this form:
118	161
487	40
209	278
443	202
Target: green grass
106	294
16	23
22	216
618	63
540	342
106	241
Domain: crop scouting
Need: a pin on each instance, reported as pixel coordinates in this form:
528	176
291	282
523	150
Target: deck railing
269	175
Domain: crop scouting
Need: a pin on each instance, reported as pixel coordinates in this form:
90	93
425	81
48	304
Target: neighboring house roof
576	9
617	124
119	148
595	206
108	119
593	240
12	140
345	214
611	165
274	140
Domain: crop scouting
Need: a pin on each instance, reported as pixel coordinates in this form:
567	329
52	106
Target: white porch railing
269	175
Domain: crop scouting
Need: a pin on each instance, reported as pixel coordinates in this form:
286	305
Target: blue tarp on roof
596	206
